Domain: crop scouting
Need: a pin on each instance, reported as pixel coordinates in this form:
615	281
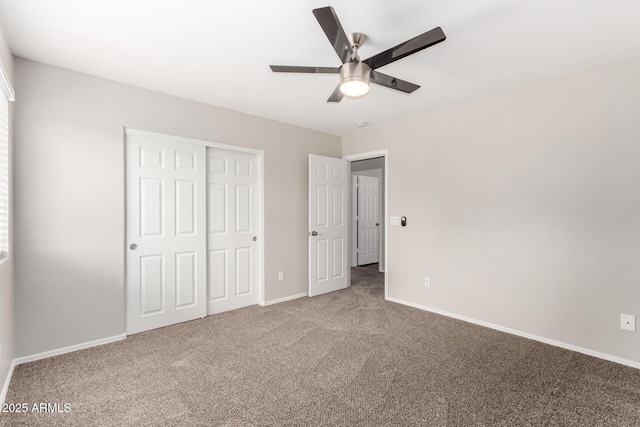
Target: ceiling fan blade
310	70
336	96
329	22
407	48
391	82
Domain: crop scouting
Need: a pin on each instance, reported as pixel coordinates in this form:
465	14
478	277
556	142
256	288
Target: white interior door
166	242
368	219
328	224
233	229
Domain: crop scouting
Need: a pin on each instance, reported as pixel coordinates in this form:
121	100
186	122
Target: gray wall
69	196
369	164
6	267
523	208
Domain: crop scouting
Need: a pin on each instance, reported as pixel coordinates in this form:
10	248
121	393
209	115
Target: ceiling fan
355	75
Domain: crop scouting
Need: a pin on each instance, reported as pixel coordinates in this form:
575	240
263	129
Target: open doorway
367	212
367	221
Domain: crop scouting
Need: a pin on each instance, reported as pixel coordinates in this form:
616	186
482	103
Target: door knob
133	247
313	233
377	224
254	238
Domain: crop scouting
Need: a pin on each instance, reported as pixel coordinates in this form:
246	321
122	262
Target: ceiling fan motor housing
354	79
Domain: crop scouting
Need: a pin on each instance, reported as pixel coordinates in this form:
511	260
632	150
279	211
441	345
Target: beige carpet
347	358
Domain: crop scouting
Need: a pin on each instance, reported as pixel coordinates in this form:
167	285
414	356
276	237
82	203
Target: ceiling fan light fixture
354	79
354	87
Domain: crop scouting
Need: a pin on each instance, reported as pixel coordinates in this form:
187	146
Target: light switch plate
628	322
394	220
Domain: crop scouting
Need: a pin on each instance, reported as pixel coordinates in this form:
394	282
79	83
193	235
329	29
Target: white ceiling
219	52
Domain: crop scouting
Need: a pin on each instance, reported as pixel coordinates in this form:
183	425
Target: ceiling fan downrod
356	40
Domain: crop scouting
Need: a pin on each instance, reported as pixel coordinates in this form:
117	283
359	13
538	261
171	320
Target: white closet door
233	229
328	224
166	239
368	220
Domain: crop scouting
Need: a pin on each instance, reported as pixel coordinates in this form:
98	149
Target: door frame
260	155
365	156
355	196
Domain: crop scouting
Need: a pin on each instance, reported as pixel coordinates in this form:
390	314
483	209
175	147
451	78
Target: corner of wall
7	329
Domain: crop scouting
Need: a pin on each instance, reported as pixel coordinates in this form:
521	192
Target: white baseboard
549	341
5	387
51	353
279	300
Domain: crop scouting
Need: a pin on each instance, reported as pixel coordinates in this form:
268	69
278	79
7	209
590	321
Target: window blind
6	95
4	176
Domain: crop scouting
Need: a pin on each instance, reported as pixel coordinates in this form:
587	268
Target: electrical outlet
628	322
281	276
427	282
